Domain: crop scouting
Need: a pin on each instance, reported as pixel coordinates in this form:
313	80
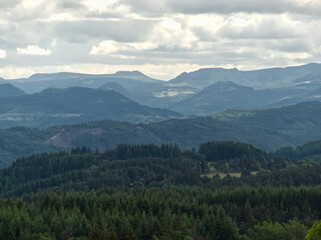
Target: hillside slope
188	133
8	90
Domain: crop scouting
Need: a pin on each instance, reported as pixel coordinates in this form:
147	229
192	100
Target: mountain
112	86
75	105
204	77
8	90
297	124
39	82
260	79
216	98
139	95
270	87
226	95
164	94
210	90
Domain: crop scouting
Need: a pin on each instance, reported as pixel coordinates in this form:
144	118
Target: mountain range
269	108
199	93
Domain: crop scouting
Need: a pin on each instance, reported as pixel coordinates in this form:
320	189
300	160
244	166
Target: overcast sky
161	38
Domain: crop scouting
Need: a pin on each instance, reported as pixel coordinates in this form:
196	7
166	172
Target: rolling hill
188	133
268	129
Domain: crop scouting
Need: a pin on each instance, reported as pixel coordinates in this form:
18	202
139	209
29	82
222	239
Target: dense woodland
160	192
155	166
163	213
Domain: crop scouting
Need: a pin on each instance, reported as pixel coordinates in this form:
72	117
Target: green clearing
222	175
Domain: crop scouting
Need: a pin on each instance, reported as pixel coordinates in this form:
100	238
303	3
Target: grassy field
223	175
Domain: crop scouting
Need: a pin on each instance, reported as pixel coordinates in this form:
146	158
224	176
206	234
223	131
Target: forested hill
299	123
268	129
188	133
310	150
152	166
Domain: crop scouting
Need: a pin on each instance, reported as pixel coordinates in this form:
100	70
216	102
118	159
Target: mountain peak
130	73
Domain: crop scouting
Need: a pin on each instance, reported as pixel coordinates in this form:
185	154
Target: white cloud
155	35
34	50
225	7
3	54
105	47
111	47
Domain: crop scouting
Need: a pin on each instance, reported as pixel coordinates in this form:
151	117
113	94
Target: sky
160	38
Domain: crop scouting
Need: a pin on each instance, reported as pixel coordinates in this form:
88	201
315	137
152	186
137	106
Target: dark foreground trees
163	213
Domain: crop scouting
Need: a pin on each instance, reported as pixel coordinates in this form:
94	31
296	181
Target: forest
223	190
163	213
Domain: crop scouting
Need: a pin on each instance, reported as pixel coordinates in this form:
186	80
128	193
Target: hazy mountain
7	90
112	86
296	124
265	78
162	95
222	96
75	105
211	90
202	92
139	96
216	98
281	77
39	82
155	94
207	76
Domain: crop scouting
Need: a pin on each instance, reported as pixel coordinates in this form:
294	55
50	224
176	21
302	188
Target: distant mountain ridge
197	93
40	81
75	105
8	90
264	78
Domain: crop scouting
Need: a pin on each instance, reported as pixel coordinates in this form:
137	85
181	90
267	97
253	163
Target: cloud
225	7
259	27
3	54
124	30
157	34
34	50
111	47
